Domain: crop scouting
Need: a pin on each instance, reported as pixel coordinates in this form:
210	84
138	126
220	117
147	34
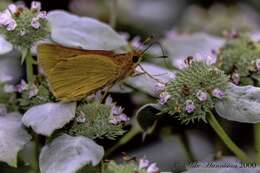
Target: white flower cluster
150	167
22	86
116	116
7	16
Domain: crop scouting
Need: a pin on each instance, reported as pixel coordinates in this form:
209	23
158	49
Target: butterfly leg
106	92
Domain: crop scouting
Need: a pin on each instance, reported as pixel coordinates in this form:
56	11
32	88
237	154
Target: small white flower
11	25
114	120
189	106
12	8
42	15
218	93
21	86
22	33
117	110
143	163
202	96
164	97
123	118
35	23
159	87
5	17
81	118
9	88
153	168
36	5
33	91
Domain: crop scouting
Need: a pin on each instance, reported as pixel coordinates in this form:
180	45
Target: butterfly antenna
148	74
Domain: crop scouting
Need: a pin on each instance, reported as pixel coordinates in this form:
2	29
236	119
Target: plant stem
257	142
29	66
186	147
127	137
35	164
113	13
226	139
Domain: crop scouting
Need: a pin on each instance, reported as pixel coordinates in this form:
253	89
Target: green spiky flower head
22	26
96	120
194	92
239	58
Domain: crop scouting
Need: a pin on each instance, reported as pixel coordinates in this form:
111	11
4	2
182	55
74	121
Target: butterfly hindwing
81	75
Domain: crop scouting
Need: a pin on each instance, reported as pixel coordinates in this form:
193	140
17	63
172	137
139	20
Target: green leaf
68	154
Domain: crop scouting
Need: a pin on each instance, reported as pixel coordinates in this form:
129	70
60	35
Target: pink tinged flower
153	168
42	15
117	110
33	91
235	78
12	8
11	26
257	64
35	23
3	110
114	120
5	17
9	88
190	107
218	93
123	118
143	163
119	119
202	96
21	86
36	5
164	97
159	88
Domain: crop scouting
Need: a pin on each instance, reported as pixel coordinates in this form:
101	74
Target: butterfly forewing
50	55
81	75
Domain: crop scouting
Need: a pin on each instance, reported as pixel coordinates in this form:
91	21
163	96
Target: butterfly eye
135	59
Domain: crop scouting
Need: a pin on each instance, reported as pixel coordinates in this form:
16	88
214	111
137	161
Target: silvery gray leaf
146	83
241	104
67	154
13	137
5	46
10	67
46	118
198	44
83	32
